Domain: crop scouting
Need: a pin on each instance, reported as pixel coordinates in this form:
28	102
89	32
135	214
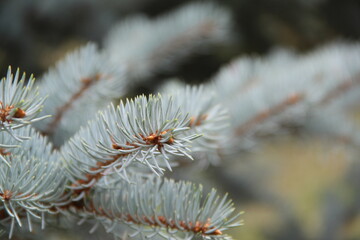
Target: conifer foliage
111	170
70	149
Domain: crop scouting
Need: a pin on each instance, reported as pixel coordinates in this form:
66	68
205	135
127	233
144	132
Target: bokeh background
290	187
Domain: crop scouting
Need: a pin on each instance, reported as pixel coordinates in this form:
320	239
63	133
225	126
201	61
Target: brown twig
86	84
266	114
152	139
197	227
339	90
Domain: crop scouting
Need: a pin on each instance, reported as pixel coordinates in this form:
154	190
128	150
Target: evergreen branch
246	89
207	117
88	75
32	182
168	38
144	130
152	206
83	82
268	113
19	103
248	72
86	84
337	127
14	147
340	90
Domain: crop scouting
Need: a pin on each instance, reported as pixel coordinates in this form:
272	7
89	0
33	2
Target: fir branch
19	103
32	182
86	84
76	80
83	82
248	72
143	130
207	118
152	206
14	147
337	127
340	90
168	38
247	90
268	113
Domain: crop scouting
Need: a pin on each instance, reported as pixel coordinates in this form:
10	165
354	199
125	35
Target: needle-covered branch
87	80
207	118
20	103
262	96
152	207
168	38
32	181
79	86
145	130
